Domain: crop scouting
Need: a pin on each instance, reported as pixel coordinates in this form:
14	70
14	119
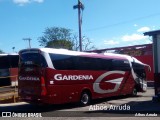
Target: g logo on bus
117	81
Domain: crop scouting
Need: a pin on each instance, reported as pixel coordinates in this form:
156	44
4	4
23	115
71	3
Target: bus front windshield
139	70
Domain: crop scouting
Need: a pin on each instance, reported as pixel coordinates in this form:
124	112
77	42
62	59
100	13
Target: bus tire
85	98
134	92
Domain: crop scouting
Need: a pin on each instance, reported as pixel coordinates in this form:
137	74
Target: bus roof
75	53
8	54
64	51
3	54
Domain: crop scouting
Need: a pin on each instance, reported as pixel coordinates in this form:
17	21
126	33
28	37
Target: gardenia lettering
29	78
72	77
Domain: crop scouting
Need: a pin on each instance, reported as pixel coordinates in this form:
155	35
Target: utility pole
29	41
79	7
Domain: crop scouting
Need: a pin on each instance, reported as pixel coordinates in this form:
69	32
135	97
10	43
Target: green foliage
58	37
1	52
60	44
55	33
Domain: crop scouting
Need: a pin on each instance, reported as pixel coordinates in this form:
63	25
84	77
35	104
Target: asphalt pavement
116	107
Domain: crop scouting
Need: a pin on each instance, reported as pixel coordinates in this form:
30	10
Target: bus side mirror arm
149	68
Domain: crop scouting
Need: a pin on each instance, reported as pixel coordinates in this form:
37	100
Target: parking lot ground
140	99
123	106
139	106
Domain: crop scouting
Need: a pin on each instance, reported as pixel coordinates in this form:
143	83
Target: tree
1	52
57	37
86	43
60	44
55	33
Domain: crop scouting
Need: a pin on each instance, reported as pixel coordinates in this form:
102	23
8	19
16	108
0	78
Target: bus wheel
134	92
85	98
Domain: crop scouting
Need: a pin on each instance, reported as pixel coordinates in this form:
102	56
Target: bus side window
121	65
85	63
105	64
62	62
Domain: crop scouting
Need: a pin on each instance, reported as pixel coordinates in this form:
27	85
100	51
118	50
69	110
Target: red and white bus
56	76
9	69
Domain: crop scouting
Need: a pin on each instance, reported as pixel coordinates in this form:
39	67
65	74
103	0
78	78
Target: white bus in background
9	69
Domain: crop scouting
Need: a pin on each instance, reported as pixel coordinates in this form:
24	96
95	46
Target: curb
5	86
6	98
13	104
8	95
